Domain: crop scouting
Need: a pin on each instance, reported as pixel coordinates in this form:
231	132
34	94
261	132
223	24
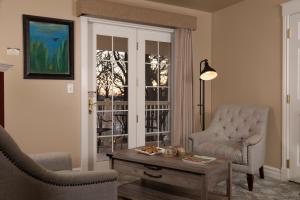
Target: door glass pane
163	95
151	51
165	139
112	94
164	74
164	62
151	139
163	120
104	42
121	98
151	121
151	74
104	146
157	95
120	142
120	122
120	48
104	123
165	50
151	94
120	71
104	98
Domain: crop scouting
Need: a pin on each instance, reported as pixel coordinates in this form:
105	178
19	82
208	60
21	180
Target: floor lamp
207	73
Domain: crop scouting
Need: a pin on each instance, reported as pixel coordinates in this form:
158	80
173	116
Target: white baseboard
76	169
285	174
272	172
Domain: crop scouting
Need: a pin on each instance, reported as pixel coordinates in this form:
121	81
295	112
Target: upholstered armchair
21	178
236	133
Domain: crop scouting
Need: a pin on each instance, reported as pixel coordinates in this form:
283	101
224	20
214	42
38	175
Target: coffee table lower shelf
140	190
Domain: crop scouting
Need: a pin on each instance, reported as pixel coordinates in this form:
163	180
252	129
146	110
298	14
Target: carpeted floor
264	189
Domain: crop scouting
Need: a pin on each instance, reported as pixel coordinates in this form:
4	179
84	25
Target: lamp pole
206	74
202	104
202	98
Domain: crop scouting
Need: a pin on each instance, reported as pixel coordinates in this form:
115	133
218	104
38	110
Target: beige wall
247	54
39	114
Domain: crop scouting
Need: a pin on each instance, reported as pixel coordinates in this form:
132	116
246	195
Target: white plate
160	151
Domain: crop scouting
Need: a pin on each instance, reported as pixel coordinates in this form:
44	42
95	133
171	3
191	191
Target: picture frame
48	48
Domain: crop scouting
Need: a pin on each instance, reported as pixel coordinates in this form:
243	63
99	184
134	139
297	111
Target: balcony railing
106	105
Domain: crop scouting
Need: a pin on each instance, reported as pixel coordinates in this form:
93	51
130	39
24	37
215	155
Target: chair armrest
253	140
53	161
84	177
256	150
63	178
196	138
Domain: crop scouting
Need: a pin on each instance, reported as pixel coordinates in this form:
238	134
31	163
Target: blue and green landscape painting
49	48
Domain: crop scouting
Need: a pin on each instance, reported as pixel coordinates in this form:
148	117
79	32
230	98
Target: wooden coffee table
170	178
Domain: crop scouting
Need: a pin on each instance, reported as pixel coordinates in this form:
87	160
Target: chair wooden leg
250	179
261	172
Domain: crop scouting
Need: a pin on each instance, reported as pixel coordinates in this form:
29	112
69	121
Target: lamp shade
208	73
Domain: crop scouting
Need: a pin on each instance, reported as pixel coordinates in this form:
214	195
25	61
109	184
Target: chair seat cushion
227	150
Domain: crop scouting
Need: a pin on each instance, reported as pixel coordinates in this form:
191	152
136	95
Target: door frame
85	43
288	9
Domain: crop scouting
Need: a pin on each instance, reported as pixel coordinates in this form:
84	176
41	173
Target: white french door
294	90
129	89
153	104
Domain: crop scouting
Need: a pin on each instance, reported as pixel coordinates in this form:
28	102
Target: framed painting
48	48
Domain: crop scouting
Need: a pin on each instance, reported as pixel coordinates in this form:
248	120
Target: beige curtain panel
182	118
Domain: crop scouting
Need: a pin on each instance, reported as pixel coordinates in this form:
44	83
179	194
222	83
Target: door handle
91	105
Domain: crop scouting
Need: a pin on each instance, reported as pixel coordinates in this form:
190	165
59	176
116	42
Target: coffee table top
174	163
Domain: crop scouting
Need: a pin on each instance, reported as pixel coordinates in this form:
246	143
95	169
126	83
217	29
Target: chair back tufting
236	122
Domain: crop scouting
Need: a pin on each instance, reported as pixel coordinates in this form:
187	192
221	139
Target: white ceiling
204	5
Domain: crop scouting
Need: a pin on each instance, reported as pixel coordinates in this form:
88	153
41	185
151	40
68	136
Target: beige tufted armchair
237	133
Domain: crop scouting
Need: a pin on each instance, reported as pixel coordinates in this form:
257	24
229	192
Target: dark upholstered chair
21	178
